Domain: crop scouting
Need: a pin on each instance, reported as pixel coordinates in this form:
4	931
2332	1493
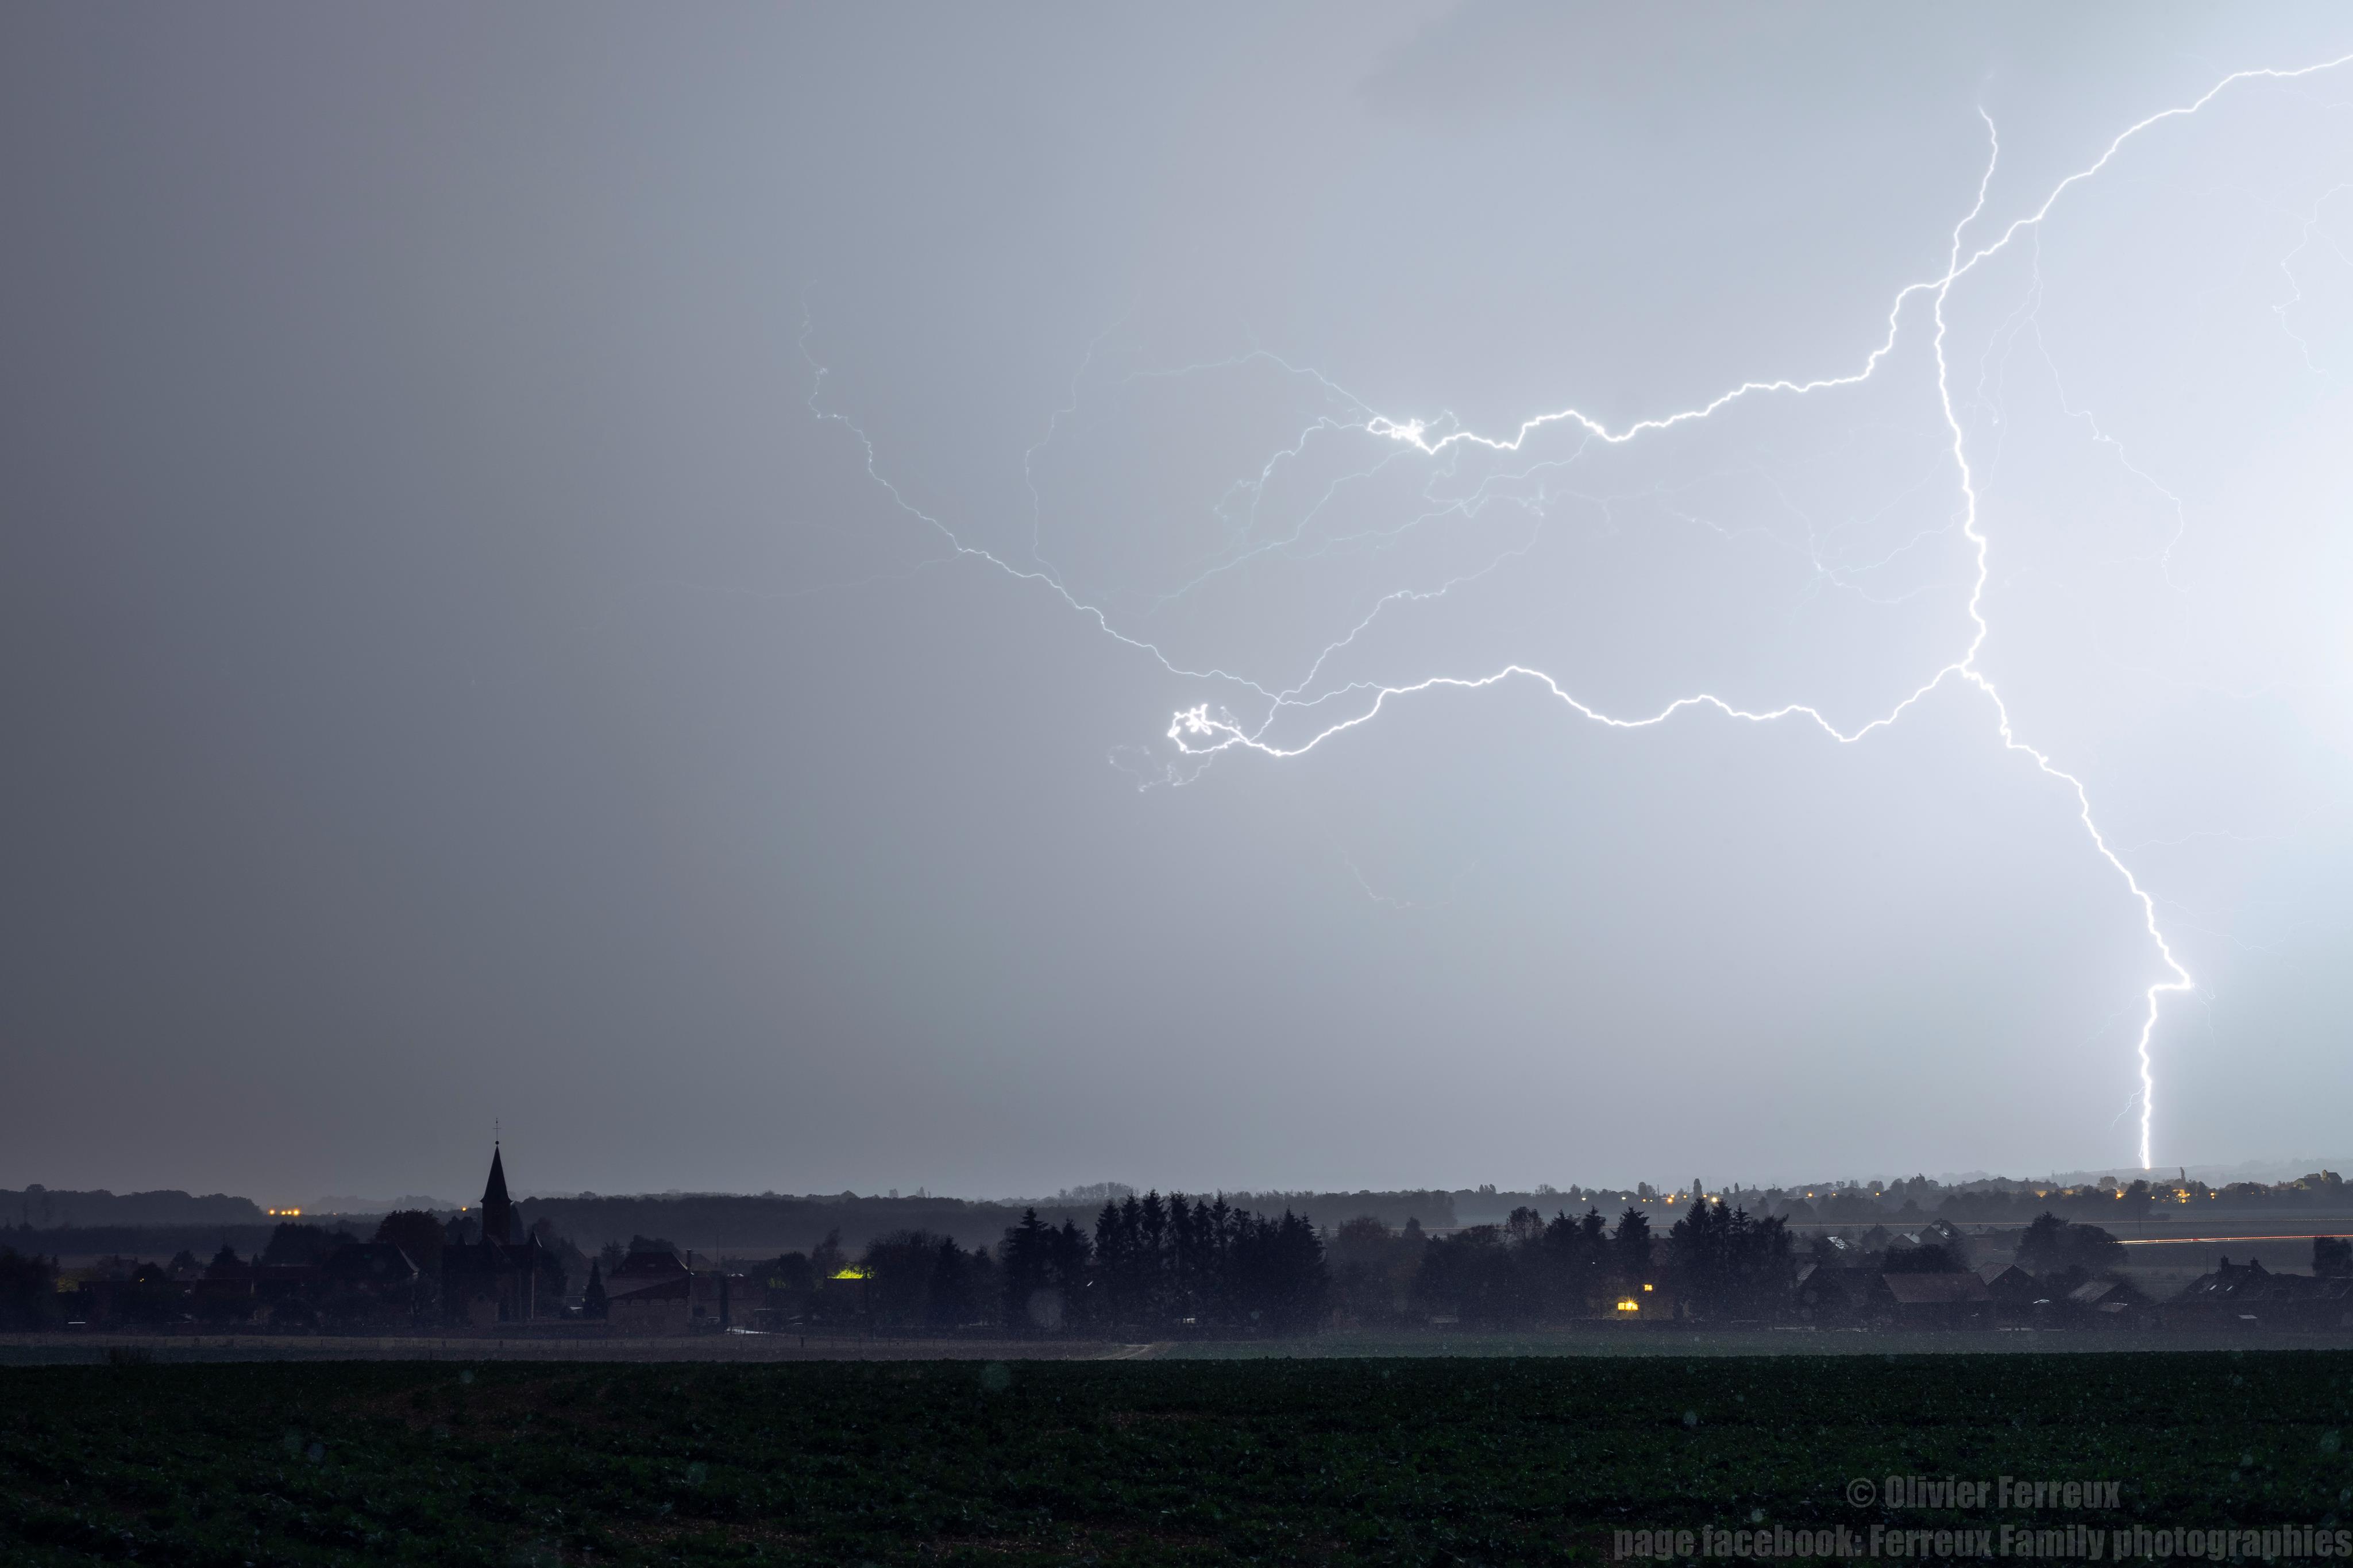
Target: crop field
1359	1460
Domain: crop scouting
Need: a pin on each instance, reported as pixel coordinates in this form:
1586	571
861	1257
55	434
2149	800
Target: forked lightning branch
1202	732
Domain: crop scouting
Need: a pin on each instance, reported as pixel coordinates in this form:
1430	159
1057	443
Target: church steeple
498	1209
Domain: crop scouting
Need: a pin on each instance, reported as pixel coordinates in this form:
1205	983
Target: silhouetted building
1832	1292
2013	1289
226	1294
497	1279
1938	1300
366	1282
2106	1303
650	1291
2247	1294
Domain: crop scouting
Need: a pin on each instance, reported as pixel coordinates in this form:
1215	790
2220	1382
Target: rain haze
814	598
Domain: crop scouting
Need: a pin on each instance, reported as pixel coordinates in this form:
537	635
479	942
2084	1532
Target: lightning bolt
1198	733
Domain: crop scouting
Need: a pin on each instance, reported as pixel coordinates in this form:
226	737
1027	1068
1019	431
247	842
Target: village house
2013	1289
650	1291
2248	1295
1936	1300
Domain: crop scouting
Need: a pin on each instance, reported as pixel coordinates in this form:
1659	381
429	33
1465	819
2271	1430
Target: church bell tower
498	1209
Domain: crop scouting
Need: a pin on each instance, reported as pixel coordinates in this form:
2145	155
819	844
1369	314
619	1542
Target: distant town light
1630	1304
1646	1286
283	1214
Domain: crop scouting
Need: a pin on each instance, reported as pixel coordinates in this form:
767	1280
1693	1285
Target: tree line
1169	1266
1165	1264
1714	1262
1178	1265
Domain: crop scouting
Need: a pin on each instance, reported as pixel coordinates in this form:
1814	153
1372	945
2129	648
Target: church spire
498	1209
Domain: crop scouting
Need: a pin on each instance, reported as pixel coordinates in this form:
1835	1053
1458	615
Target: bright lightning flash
1200	734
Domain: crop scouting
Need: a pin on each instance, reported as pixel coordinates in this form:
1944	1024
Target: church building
495	1278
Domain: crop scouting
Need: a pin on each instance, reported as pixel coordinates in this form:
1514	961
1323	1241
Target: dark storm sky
460	659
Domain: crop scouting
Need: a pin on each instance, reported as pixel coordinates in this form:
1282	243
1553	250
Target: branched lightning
1200	734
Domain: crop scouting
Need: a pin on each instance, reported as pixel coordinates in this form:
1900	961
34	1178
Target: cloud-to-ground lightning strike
1200	734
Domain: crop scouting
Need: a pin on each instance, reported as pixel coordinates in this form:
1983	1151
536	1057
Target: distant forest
716	1223
1170	1266
37	1208
161	1223
723	1223
1174	1267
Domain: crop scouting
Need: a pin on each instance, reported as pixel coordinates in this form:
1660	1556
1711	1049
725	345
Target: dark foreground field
1304	1461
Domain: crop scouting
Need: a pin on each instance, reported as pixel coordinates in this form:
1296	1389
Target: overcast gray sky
628	571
